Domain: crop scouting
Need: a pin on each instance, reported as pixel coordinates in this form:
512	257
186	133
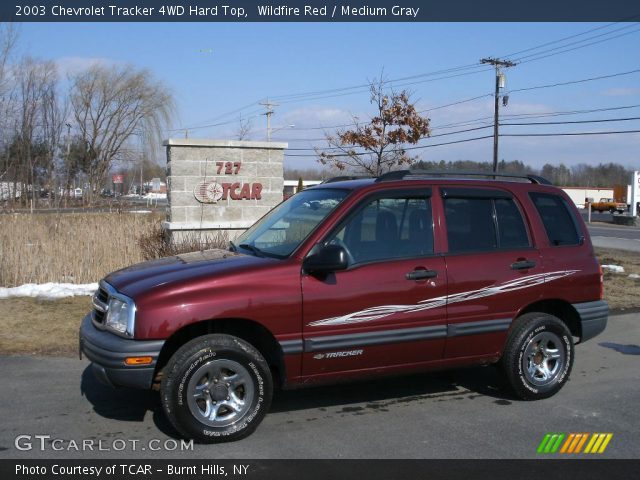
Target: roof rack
344	178
403	174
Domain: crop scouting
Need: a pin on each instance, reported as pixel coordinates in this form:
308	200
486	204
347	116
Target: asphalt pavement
615	236
455	414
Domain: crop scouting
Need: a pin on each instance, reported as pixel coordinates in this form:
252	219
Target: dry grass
30	326
156	244
74	248
620	291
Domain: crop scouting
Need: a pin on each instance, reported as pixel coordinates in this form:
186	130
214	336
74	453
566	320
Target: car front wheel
538	356
216	388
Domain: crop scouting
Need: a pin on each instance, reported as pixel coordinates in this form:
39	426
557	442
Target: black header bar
319	11
117	469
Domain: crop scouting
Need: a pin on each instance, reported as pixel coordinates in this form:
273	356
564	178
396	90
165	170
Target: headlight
120	316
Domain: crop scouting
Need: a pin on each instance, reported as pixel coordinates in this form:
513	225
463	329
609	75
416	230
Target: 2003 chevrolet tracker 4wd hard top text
405	272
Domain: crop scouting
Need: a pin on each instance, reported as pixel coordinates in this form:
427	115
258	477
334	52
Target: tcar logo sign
212	191
208	192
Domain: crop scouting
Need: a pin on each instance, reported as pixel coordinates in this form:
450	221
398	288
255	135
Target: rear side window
484	224
559	222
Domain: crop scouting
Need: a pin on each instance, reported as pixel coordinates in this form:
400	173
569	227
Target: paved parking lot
460	414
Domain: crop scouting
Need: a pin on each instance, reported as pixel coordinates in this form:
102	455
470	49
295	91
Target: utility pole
269	106
497	63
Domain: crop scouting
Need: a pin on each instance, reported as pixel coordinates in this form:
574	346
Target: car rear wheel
538	356
216	388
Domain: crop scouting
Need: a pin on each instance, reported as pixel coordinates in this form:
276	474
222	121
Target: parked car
402	273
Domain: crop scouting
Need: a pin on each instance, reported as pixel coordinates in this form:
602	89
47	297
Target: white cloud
318	117
621	92
74	65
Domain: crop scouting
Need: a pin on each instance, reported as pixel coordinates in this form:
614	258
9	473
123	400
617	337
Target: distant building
291	186
582	195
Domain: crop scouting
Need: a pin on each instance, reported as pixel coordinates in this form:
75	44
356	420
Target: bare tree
379	145
8	40
244	129
38	125
110	106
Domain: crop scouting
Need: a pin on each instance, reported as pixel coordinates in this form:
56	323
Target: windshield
280	232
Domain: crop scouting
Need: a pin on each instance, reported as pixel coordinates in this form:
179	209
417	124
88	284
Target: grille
100	302
102	295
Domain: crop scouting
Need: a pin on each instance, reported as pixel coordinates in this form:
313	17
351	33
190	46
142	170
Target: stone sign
221	185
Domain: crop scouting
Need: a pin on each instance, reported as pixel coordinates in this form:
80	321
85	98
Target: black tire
222	375
527	361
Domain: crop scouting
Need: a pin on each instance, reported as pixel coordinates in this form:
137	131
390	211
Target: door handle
421	274
523	265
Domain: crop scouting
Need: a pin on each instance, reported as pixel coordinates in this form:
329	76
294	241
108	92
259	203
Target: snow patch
634	276
613	268
48	291
155	196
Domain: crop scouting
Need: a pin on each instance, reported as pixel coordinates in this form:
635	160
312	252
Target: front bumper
107	353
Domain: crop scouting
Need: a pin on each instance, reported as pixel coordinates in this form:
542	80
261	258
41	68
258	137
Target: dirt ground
621	291
32	326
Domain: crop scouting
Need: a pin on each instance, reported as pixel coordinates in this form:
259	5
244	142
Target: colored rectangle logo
574	443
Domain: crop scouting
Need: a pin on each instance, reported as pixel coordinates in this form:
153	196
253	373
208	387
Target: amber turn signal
138	360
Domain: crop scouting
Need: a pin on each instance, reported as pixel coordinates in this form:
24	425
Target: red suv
406	272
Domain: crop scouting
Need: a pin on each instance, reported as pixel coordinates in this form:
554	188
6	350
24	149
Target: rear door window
483	220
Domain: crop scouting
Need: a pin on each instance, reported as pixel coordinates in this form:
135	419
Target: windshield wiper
251	248
232	246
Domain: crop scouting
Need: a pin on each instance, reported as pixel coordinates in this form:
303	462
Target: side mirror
330	258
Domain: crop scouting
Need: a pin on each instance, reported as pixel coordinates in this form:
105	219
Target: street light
271	131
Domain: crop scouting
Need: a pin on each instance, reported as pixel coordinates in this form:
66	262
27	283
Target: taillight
601	282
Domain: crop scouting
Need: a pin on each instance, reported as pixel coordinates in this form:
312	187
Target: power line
409	148
617	132
564	134
211	124
198	124
512	116
568	38
536	87
560	84
399	85
425	138
466	69
561	47
575	121
603	120
368	85
472	68
579	47
570	112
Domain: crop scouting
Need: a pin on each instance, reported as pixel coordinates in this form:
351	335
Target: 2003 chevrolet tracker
405	272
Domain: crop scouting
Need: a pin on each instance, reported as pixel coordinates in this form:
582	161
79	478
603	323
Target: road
615	236
459	414
605	234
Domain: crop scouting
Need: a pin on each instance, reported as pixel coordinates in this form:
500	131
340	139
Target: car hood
188	267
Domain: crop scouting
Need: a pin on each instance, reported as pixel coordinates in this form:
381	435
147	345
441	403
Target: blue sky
216	68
